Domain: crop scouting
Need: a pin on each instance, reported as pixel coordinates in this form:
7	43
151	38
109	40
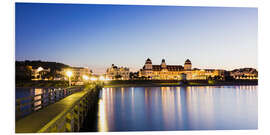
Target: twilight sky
97	36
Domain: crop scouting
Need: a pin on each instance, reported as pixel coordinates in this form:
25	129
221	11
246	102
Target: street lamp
69	74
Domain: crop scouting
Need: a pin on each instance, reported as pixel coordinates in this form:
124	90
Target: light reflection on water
178	108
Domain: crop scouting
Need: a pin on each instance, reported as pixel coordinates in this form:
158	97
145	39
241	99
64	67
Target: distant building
176	72
117	73
187	65
39	73
77	73
244	73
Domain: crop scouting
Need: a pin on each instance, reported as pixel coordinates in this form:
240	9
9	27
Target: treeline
23	69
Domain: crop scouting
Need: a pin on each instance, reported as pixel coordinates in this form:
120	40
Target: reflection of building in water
117	73
177	72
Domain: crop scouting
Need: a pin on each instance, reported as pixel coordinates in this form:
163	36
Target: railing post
41	100
49	96
32	100
62	93
81	114
77	117
69	122
55	96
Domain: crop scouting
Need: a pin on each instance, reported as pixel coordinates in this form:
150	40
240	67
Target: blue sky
97	36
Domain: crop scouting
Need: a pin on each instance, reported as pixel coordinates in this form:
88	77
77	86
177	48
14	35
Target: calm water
178	108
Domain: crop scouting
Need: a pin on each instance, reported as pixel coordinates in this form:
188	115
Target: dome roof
163	60
187	61
148	61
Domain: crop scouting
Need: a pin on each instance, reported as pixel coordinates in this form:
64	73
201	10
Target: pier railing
66	115
70	119
47	96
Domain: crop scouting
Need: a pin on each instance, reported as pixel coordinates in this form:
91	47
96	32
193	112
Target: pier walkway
66	115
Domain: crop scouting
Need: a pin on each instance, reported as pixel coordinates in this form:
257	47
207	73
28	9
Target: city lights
69	74
93	78
85	77
101	78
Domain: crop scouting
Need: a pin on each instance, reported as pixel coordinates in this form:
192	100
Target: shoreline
174	84
143	83
114	86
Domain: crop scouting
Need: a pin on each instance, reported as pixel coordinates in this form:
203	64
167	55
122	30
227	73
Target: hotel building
117	73
177	72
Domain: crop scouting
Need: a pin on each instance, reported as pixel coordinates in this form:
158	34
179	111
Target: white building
117	73
39	73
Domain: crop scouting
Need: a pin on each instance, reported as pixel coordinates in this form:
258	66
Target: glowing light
101	78
93	78
85	77
39	69
69	73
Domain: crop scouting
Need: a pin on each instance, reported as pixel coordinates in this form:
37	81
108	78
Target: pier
65	115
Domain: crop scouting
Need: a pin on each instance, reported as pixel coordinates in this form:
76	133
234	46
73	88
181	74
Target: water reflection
178	108
102	123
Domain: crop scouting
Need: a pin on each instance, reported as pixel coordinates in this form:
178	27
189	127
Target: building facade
117	73
39	73
77	73
244	73
176	72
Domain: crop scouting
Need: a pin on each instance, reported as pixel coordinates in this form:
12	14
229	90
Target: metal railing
71	119
35	102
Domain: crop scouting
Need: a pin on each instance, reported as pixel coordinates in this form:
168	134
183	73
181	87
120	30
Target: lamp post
69	74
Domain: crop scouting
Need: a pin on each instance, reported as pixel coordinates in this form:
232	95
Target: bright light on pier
69	73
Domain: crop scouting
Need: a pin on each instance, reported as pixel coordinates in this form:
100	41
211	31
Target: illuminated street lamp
69	74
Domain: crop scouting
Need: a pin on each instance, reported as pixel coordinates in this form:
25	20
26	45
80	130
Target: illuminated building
176	72
187	65
77	73
117	73
38	73
244	73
